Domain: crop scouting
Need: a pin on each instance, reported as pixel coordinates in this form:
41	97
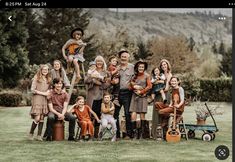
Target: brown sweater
105	108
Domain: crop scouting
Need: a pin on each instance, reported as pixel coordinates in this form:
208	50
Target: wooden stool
182	127
58	130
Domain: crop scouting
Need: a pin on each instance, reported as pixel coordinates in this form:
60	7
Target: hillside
203	28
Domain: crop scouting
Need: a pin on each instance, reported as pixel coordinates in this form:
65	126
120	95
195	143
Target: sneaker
30	137
38	138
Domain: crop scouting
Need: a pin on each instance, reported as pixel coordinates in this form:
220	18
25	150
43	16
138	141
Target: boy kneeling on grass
83	112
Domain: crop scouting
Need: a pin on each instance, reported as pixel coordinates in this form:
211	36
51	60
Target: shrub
219	89
10	98
191	85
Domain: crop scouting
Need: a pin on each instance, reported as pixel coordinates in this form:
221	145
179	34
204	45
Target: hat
140	62
92	63
122	51
76	29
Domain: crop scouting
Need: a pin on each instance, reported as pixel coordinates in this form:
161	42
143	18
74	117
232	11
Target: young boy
107	111
114	72
75	47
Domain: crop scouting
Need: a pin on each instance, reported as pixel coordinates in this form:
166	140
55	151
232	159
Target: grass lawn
15	124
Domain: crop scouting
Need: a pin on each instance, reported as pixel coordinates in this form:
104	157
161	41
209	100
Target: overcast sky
224	11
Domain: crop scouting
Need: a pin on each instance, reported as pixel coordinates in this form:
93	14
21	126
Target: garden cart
208	130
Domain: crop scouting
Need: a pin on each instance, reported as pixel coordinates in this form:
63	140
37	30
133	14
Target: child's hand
99	121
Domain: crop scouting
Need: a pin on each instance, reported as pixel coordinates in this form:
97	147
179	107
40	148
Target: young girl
177	100
107	111
75	47
158	80
114	71
59	72
140	84
84	120
39	109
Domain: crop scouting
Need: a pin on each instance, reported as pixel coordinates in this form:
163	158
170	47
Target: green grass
15	124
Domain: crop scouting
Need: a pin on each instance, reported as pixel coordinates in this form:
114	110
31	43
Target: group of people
109	88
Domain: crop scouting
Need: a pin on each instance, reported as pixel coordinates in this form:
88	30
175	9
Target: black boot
142	124
40	126
145	129
96	132
134	130
33	126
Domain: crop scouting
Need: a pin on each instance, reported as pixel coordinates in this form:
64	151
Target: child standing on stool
75	47
107	111
114	72
40	90
158	81
84	120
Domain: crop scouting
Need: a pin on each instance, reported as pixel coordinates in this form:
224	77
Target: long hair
38	75
61	70
99	57
168	65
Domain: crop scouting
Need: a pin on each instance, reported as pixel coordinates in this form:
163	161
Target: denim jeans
124	98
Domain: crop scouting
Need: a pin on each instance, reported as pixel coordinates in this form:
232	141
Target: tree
214	48
226	63
120	39
57	25
13	54
221	48
34	42
191	43
143	52
175	49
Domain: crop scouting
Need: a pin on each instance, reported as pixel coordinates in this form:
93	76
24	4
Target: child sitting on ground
158	81
84	120
75	47
114	72
107	111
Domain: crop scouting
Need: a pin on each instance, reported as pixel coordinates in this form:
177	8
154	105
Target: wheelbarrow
208	130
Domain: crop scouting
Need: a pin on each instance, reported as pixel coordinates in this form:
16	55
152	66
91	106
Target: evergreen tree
214	48
13	54
221	48
143	52
226	63
34	42
57	25
191	43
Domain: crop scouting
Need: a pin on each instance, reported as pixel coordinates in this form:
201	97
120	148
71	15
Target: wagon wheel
212	134
191	134
206	137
